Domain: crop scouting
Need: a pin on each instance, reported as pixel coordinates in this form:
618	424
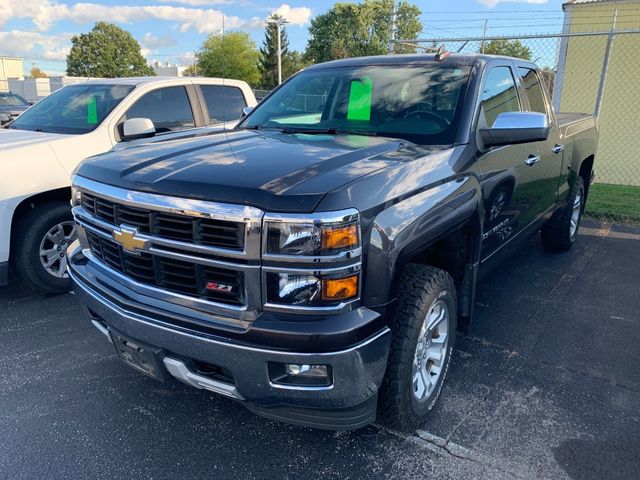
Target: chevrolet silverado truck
40	148
316	262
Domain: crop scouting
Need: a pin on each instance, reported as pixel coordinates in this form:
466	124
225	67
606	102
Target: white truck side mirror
135	128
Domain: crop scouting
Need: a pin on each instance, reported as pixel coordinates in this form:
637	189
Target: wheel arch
445	235
586	172
57	195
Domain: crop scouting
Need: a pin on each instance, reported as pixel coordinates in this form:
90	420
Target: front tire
424	332
560	232
39	246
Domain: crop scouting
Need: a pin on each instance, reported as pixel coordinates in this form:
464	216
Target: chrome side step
180	371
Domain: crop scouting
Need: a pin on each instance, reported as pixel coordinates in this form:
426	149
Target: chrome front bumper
357	371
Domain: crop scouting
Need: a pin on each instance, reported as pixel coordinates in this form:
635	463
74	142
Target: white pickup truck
40	149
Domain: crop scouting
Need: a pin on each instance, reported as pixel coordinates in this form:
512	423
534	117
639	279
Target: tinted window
12	100
223	103
417	103
73	109
532	85
499	94
168	108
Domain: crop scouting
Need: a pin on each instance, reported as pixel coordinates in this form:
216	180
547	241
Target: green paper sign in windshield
92	111
360	99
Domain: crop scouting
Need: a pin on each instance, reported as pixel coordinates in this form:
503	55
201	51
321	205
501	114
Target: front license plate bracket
142	357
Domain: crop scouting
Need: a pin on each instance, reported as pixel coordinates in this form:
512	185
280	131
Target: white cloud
44	13
200	3
153	42
36	44
293	15
186	58
494	3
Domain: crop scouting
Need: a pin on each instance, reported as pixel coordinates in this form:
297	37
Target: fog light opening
300	374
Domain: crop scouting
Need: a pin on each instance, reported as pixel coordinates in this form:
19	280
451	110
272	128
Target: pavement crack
459	452
467	416
513	353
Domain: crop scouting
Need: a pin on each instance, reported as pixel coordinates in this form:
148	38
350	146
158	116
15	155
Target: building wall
10	67
581	74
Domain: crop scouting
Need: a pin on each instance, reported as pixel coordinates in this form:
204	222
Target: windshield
417	103
12	100
74	109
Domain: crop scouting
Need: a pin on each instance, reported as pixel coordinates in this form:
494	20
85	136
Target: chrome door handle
532	160
557	148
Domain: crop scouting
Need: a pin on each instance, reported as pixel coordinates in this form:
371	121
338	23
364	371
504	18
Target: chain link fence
596	73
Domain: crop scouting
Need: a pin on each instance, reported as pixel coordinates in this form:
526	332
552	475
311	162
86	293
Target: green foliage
233	55
352	30
190	71
106	51
510	48
36	72
292	62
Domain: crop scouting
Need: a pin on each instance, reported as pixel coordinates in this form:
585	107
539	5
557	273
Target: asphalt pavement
546	385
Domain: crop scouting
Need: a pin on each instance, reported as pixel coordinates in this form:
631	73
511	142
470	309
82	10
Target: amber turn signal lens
340	288
340	237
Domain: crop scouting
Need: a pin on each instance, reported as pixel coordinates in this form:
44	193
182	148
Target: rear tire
420	356
41	237
560	232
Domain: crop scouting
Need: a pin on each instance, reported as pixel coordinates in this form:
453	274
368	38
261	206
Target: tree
352	30
190	71
510	48
106	51
233	55
37	73
268	60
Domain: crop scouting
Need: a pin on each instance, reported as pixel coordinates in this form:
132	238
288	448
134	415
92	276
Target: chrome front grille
190	252
171	274
201	231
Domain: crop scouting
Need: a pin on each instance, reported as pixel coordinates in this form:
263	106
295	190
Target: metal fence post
605	65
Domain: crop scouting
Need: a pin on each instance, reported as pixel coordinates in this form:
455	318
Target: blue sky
171	30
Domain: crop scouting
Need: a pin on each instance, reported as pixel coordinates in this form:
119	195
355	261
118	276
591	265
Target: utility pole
484	35
279	23
394	28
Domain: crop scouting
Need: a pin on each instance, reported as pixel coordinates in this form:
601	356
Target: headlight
76	196
317	290
325	235
325	248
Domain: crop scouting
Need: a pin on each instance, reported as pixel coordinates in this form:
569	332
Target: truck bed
571	123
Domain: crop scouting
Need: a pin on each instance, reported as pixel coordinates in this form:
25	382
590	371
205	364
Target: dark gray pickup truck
316	261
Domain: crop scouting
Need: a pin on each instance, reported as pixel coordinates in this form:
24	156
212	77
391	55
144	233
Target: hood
10	138
268	169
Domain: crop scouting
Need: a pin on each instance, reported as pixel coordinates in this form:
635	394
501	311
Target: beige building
10	67
600	74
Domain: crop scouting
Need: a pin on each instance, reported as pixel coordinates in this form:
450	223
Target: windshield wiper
327	131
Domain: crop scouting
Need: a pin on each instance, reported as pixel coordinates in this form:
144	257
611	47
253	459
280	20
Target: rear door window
499	94
533	87
168	108
224	103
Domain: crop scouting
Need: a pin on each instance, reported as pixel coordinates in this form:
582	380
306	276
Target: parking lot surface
546	385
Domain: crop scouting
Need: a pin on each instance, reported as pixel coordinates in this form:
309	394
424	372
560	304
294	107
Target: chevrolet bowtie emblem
126	236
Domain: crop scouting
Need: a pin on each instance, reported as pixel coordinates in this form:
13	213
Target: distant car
11	105
40	148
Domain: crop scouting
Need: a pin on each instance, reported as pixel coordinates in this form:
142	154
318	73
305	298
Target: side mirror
246	111
135	128
516	127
